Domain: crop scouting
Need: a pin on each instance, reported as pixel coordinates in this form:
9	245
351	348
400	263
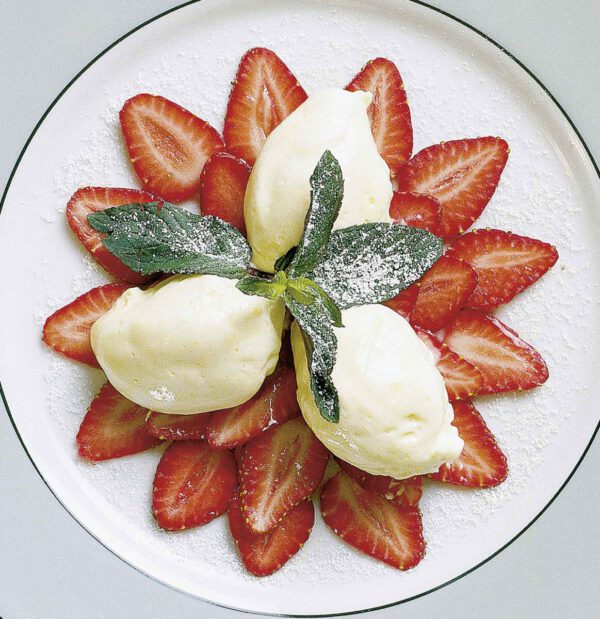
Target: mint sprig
326	194
373	262
160	237
320	343
327	272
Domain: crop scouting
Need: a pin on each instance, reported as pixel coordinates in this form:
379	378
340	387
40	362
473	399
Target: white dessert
278	193
395	418
191	344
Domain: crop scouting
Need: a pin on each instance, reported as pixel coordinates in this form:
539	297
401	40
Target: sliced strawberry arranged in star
193	485
389	113
443	290
264	93
481	463
264	553
404	302
274	403
68	329
461	174
380	528
280	468
505	263
222	188
405	492
168	145
506	362
113	427
462	379
415	209
177	427
89	200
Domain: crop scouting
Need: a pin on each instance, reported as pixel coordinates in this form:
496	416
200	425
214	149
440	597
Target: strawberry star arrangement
318	330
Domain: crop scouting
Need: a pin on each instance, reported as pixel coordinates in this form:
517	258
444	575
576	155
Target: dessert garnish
369	396
327	272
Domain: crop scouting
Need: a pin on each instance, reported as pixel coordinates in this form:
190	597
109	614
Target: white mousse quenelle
190	344
395	418
278	193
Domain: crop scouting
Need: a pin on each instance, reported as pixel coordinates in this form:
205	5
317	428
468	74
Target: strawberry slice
68	329
168	145
264	93
113	427
222	189
389	112
463	379
384	530
274	403
177	427
414	209
405	492
443	290
506	362
90	200
404	302
461	174
481	463
280	468
193	485
505	263
238	454
264	553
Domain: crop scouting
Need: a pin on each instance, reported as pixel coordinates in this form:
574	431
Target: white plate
459	85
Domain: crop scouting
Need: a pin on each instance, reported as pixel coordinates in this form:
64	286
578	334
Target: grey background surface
51	568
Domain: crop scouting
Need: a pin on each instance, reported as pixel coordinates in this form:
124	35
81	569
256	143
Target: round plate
459	85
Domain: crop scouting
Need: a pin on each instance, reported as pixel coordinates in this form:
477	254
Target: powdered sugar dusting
453	93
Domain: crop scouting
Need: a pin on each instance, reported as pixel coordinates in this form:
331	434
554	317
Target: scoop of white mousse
190	344
278	193
395	418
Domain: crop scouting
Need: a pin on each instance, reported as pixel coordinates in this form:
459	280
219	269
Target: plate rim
39	123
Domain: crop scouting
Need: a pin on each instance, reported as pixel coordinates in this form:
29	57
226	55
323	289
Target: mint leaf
152	237
271	288
321	345
327	191
283	262
370	263
306	291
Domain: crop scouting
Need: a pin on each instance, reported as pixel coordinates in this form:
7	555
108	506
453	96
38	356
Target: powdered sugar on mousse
534	198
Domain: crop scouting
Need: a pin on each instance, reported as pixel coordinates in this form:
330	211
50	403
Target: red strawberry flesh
481	463
404	302
265	553
370	523
177	427
505	263
462	379
443	290
461	174
264	93
506	362
68	330
389	113
400	491
113	427
413	209
91	200
222	189
167	144
280	468
274	404
193	485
